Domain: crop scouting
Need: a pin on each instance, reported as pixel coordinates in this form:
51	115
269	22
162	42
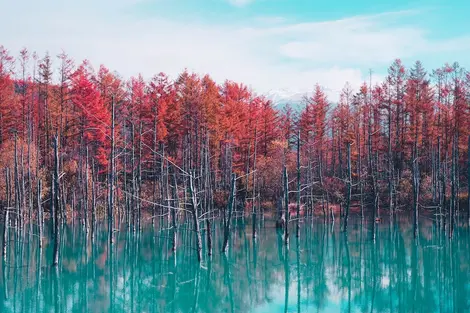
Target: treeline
190	148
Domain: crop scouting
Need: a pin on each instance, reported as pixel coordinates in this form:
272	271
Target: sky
280	48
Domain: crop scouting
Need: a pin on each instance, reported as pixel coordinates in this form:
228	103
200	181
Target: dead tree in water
390	169
56	202
111	180
228	214
174	212
254	196
439	180
298	184
5	213
468	181
40	218
286	207
139	181
208	197
453	174
359	175
195	215
17	189
93	200
348	188
87	224
415	189
372	166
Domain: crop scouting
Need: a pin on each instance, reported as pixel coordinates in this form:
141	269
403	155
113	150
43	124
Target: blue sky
278	47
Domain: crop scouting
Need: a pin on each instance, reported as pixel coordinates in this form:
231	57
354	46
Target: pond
322	271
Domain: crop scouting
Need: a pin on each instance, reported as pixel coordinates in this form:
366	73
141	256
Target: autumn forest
84	144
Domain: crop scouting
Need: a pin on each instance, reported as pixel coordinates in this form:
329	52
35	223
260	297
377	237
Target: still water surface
324	271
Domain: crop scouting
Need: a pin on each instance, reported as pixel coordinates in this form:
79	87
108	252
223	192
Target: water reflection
324	270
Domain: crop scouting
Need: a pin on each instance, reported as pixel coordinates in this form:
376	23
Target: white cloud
240	3
267	56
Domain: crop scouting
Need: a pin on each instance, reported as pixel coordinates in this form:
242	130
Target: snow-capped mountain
281	97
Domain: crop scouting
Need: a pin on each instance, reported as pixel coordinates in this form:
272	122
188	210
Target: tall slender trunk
453	199
298	185
139	181
134	183
163	197
174	213
390	164
228	214
208	195
52	206
286	207
126	196
17	188
23	192
348	188
444	190
5	214
468	181
93	200
40	218
87	226
195	215
439	180
155	171
359	178
254	196
56	201
111	180
415	189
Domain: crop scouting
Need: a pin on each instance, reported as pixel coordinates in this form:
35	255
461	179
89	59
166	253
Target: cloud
281	55
240	3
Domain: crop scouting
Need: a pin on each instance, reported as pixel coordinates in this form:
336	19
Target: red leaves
93	118
313	119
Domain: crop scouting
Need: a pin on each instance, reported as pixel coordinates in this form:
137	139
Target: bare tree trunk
5	215
126	196
286	207
139	181
228	214
415	189
63	198
52	206
452	191
348	188
23	193
439	180
359	178
40	218
372	169
79	189
208	194
468	181
174	213
254	195
453	198
17	189
56	201
93	200
390	164
195	214
162	183
111	181
444	190
155	172
298	185
87	226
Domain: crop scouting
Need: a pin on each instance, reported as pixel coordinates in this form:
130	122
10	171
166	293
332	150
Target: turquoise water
323	271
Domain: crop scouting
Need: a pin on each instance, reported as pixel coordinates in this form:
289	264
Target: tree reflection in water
324	270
